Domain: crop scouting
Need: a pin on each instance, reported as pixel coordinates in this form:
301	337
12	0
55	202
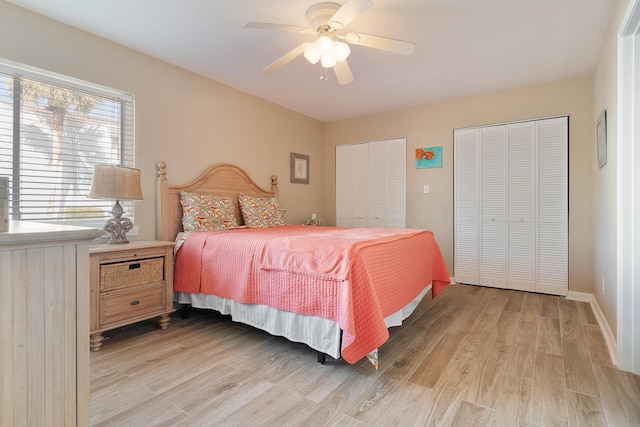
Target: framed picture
299	168
601	135
428	157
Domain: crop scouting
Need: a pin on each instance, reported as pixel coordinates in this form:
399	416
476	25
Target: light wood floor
473	356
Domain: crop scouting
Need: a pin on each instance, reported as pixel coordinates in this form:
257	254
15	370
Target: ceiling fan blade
349	11
382	43
286	58
277	27
343	73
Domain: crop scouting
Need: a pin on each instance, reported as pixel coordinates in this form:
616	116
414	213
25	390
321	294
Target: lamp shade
115	182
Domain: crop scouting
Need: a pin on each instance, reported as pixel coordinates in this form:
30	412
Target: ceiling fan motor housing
318	16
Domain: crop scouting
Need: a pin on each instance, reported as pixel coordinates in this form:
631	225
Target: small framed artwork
299	168
429	157
601	138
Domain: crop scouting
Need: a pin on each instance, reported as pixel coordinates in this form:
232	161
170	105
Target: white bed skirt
318	333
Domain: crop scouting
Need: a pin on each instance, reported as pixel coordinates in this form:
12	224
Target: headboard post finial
162	170
162	207
274	185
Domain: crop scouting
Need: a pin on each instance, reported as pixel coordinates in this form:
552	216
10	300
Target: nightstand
129	283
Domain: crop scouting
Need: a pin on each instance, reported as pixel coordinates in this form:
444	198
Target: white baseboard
580	296
607	332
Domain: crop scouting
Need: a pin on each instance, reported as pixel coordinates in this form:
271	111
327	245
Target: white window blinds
53	130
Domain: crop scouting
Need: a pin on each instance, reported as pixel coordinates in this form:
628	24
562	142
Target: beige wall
605	180
433	125
182	118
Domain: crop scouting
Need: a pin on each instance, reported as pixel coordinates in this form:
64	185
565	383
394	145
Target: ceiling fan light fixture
327	51
312	53
325	43
341	50
328	60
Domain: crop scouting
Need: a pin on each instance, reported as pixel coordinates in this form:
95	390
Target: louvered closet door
511	205
521	197
396	166
371	184
492	202
377	184
360	184
553	206
466	183
344	188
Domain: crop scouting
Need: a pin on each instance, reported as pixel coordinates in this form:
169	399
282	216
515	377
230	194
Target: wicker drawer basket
131	273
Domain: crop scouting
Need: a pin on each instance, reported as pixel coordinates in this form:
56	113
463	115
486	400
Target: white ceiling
463	47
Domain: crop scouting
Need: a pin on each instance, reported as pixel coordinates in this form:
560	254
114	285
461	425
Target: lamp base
118	226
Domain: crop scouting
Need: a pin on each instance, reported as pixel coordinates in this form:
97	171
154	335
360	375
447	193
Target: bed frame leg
184	310
322	358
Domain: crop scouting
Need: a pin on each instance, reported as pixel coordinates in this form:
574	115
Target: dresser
129	283
44	324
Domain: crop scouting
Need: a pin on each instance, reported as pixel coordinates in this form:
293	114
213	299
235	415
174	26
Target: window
53	130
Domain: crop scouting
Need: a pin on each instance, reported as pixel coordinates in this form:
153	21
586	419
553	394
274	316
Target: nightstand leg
95	341
163	321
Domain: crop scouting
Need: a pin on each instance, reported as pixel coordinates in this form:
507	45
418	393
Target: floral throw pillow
206	212
261	212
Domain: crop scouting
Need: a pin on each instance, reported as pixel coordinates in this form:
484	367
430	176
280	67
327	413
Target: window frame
125	126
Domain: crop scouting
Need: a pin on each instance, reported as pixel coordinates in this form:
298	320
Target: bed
337	290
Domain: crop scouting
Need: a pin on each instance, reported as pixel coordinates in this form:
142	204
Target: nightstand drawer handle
134	266
135	302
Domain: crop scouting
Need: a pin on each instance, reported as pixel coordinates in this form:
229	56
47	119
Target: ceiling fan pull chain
323	74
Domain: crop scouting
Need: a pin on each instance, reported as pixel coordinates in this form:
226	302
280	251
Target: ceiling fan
326	21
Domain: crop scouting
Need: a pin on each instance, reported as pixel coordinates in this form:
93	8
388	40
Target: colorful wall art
430	157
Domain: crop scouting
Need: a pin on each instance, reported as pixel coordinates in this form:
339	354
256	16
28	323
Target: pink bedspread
356	277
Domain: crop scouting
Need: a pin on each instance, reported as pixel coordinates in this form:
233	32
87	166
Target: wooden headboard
222	179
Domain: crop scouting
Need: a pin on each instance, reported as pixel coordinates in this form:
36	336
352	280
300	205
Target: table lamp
119	183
